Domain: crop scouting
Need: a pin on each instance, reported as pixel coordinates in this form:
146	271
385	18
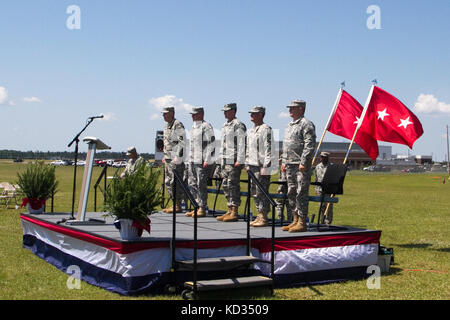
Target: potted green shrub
131	199
37	183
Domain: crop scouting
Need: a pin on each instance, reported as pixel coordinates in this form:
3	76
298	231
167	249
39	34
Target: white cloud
3	95
170	101
154	116
283	114
427	103
31	99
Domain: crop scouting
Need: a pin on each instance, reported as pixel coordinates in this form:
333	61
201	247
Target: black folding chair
332	184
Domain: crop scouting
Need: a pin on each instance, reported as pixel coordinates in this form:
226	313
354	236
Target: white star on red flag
388	129
404	122
382	114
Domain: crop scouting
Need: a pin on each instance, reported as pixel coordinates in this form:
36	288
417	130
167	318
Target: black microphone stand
76	140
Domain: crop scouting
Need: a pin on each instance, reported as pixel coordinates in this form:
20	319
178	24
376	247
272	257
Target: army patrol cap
297	103
257	109
229	106
168	109
197	110
324	154
131	150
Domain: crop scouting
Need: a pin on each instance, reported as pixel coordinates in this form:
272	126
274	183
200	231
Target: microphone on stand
96	117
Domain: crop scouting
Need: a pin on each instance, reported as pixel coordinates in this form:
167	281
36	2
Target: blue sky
130	57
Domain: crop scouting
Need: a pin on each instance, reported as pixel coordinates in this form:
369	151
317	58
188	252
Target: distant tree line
65	155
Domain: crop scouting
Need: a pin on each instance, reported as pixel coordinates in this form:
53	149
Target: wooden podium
93	145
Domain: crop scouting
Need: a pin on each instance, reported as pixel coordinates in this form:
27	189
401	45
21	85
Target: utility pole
448	156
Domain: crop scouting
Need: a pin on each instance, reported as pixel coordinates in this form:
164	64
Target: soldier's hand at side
163	161
205	165
283	168
237	164
302	168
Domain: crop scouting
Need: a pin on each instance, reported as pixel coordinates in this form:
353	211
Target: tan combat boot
293	223
189	213
263	220
258	217
220	218
177	208
201	212
233	216
300	226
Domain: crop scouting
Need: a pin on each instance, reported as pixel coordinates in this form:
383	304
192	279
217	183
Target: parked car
119	164
101	163
59	163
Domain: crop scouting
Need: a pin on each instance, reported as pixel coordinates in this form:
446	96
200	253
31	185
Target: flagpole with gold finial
361	119
363	114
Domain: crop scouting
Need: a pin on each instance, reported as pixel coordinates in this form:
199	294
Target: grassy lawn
412	210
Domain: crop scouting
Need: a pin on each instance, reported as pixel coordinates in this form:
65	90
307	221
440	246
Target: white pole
336	102
361	119
448	156
86	181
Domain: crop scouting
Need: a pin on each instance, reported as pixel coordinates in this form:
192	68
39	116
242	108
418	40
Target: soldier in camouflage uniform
298	149
259	161
174	152
133	163
201	159
233	157
320	170
282	189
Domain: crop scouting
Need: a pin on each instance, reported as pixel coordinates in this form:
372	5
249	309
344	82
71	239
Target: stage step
219	263
230	283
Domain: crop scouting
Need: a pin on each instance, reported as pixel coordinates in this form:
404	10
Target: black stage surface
208	228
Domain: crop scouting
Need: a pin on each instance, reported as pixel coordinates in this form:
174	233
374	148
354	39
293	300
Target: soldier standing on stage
174	153
232	159
201	159
282	189
320	170
259	161
298	149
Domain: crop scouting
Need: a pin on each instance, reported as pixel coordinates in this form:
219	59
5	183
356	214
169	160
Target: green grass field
412	210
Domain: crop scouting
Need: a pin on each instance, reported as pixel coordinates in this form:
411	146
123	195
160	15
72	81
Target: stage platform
144	266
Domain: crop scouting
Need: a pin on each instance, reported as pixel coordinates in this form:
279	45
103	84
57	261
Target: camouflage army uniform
259	156
132	165
298	148
232	150
174	153
282	189
320	173
202	149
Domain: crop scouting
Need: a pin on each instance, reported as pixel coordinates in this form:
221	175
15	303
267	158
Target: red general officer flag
388	119
345	120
